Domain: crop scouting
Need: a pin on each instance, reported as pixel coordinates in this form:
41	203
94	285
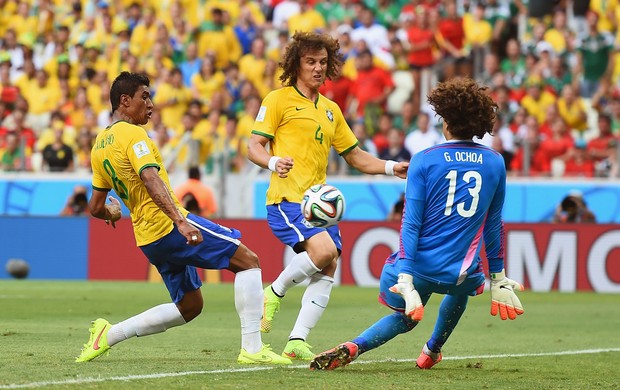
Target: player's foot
264	356
271	307
427	358
97	343
336	357
298	349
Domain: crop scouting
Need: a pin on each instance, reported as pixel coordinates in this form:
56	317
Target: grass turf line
43	325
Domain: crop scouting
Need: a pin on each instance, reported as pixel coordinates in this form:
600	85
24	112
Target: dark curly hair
465	106
308	42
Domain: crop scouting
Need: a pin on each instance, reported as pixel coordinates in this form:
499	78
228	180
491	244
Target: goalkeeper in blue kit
453	203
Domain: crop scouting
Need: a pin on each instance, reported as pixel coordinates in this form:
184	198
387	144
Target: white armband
389	167
272	163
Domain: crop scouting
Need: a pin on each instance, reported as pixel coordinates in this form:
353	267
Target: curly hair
308	42
465	106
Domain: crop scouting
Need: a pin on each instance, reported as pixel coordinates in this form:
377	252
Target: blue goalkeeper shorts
472	285
289	225
176	261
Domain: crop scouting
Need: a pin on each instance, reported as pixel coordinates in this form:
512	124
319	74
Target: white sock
300	268
155	320
249	305
313	305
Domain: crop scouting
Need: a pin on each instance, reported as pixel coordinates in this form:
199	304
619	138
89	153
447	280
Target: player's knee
329	269
323	257
191	312
243	259
191	305
251	260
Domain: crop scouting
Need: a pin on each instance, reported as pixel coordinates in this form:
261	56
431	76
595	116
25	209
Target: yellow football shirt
171	115
305	131
538	108
252	68
42	99
119	155
310	20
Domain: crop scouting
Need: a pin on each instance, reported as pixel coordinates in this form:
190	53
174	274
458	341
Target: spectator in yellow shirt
605	9
80	106
247	117
307	20
218	38
207	81
572	109
144	34
93	58
23	21
478	31
98	99
559	34
536	99
43	98
27	78
160	57
172	99
252	65
270	79
57	124
7	10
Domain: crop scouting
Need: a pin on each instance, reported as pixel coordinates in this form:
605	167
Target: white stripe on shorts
299	235
229	239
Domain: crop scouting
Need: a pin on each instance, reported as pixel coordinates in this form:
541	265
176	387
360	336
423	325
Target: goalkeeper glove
503	298
413	303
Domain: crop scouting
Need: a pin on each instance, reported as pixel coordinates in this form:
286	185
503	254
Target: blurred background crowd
550	65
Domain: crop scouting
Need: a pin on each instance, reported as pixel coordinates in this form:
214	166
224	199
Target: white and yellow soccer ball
323	205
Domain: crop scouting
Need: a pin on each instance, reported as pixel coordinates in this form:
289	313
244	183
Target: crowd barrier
544	257
367	199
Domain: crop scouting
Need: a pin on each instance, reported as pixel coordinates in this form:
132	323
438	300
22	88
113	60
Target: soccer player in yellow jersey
126	160
301	126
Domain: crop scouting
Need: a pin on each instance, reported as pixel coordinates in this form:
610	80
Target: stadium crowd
550	66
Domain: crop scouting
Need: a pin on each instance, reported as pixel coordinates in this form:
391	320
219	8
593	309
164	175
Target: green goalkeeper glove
503	298
413	303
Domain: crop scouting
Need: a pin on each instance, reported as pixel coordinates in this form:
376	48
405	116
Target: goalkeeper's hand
503	298
413	304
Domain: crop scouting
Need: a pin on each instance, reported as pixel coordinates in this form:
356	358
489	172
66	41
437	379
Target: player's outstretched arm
503	298
367	163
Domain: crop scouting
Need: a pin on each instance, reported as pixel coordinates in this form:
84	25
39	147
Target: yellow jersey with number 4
304	130
119	155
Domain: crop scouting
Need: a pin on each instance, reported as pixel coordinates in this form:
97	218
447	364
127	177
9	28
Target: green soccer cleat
271	307
264	356
98	343
298	349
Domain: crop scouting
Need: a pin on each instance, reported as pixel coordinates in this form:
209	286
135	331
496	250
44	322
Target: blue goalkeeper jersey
453	202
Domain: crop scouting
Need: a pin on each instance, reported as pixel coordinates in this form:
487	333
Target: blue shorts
176	261
290	226
472	285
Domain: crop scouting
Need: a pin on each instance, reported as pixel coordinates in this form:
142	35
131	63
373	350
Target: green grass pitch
563	341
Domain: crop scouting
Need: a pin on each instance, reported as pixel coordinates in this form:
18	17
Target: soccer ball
17	268
323	205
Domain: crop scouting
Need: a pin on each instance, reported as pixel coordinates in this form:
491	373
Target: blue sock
450	311
383	331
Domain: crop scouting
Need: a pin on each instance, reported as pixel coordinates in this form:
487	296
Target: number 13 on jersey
452	176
